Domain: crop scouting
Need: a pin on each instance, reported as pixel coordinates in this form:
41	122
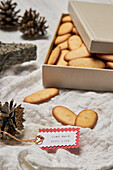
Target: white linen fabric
95	146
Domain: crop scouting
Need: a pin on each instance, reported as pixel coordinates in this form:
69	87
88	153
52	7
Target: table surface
95	147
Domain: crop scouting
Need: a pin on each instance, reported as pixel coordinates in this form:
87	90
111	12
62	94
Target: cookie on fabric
61	61
41	96
87	62
74	42
62	38
66	18
77	53
64	115
54	55
86	119
65	28
107	57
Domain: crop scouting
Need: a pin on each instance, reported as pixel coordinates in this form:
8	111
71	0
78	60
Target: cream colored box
73	77
94	23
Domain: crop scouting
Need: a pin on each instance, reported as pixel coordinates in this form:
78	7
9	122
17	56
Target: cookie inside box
68	49
87	72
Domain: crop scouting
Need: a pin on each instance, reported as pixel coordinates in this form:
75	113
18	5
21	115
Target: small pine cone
8	15
11	119
32	25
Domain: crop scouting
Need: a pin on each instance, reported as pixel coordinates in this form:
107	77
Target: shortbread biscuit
41	96
87	62
66	19
63	45
107	57
62	38
61	61
74	31
83	45
77	53
65	28
109	64
54	55
86	119
74	42
64	115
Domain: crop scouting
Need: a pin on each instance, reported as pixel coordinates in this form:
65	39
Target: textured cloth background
95	146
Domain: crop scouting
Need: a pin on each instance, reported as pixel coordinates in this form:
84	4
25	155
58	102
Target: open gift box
94	24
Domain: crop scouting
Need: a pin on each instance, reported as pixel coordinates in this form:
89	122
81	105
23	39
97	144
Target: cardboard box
74	77
94	23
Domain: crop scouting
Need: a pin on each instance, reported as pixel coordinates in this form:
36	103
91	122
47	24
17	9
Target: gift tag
62	137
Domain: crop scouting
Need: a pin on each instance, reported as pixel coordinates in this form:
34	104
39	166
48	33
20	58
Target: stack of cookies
107	58
69	49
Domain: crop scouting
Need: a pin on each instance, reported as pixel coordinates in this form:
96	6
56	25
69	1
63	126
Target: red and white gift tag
61	137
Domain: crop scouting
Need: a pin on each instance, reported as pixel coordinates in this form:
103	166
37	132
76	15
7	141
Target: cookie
65	28
77	53
62	38
83	45
74	31
64	115
61	61
63	45
87	62
86	119
41	96
109	64
66	19
54	55
74	42
105	57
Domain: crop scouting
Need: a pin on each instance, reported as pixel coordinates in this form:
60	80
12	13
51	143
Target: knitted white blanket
95	146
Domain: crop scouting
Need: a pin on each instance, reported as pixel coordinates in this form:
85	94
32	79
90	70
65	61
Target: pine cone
11	119
32	25
8	15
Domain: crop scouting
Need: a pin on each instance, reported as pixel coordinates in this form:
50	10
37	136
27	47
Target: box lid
94	23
